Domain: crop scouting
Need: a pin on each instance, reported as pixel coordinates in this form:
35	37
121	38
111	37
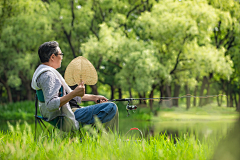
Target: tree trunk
204	81
142	96
9	94
130	92
238	106
168	94
28	89
207	100
229	94
227	99
219	101
231	99
10	100
112	91
151	101
161	88
119	93
168	91
94	89
151	96
26	84
235	99
187	92
224	86
1	91
195	94
176	94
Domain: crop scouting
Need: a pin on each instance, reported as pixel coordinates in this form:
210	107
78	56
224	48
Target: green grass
209	112
17	144
24	110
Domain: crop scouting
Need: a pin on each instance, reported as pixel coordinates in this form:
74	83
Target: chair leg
35	129
37	121
61	123
60	120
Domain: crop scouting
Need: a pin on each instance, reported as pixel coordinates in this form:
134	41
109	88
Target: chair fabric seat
55	122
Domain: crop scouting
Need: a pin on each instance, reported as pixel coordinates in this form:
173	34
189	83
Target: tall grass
17	144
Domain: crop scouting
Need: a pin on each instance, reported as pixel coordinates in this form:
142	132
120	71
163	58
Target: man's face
59	58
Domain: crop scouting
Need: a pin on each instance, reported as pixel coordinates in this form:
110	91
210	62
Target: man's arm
90	97
78	91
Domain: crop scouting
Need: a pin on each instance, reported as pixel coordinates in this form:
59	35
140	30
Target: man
50	82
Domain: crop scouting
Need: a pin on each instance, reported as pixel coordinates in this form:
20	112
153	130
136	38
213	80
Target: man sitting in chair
47	79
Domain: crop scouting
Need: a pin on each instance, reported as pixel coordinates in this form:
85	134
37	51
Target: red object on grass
133	129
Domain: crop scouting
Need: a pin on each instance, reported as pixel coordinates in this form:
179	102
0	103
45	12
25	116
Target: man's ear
52	57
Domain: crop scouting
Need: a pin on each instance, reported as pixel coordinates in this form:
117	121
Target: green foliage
134	45
25	25
18	111
182	33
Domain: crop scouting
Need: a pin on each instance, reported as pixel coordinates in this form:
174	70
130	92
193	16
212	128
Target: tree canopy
135	46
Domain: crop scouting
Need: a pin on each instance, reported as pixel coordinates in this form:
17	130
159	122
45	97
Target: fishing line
134	107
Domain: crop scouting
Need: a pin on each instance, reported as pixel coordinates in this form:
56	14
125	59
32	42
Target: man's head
46	50
50	54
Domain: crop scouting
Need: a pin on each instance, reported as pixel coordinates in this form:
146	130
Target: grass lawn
210	112
20	144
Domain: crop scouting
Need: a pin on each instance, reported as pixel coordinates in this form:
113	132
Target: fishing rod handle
98	101
126	99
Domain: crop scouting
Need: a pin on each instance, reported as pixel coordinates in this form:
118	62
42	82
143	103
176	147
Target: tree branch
69	41
114	63
91	27
177	60
103	17
73	15
128	14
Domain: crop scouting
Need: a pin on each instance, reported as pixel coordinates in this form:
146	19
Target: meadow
17	142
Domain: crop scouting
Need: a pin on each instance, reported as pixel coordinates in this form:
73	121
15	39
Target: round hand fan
80	69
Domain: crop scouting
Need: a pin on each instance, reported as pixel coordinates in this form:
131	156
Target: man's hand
100	99
79	90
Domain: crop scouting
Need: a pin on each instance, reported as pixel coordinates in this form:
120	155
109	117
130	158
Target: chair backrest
56	122
40	96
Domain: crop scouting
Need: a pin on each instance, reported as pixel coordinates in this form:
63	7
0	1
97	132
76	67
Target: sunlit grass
17	144
206	113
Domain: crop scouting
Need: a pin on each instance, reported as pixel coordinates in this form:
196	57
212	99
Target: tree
181	32
23	30
226	34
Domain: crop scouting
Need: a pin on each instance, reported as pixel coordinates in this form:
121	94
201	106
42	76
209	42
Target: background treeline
140	48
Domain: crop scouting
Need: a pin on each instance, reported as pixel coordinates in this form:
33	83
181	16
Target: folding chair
56	123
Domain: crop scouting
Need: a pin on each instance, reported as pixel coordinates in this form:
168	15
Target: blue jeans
104	111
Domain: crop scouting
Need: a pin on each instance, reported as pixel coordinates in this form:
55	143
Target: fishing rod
129	106
134	107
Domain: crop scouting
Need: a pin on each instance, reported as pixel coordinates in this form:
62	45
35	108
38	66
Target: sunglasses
60	54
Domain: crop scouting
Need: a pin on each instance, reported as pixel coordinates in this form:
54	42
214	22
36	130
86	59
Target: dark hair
46	50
